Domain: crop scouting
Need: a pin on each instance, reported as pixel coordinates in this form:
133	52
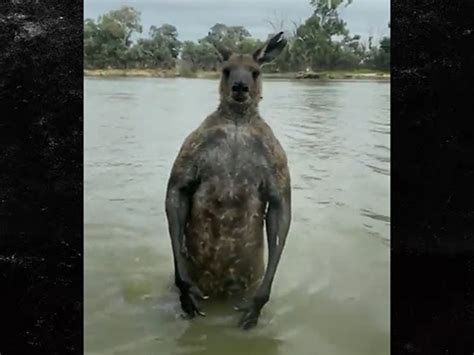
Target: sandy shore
159	73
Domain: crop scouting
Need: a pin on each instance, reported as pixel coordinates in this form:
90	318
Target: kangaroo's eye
226	72
255	74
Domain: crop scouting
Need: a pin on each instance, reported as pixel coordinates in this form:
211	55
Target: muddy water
331	293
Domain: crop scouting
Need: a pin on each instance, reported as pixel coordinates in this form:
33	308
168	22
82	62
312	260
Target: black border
41	174
432	175
41	204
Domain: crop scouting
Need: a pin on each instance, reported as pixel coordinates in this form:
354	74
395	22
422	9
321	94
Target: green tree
92	44
350	53
160	50
201	55
235	38
326	16
122	23
321	42
314	46
382	58
378	57
167	35
107	41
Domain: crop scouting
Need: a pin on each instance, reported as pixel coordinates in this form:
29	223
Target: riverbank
159	73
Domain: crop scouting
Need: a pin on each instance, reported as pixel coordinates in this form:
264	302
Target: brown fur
230	176
224	232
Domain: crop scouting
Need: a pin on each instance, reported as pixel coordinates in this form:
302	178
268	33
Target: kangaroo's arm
278	219
177	210
181	185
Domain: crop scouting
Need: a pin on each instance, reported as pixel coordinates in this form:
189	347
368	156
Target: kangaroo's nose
240	86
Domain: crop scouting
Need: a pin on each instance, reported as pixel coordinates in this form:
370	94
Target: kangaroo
230	176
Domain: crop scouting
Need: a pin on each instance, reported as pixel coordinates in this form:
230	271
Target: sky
194	18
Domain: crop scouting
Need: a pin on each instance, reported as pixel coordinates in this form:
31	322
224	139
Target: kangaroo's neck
238	113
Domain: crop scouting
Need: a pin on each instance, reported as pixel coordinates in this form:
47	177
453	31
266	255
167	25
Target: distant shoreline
159	73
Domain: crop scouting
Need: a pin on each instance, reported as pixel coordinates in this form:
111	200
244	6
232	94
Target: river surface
331	292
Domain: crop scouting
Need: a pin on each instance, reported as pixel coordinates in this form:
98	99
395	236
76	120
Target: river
331	292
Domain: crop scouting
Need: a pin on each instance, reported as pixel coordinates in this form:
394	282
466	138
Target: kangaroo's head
241	80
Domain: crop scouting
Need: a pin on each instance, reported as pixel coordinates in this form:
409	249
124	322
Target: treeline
322	42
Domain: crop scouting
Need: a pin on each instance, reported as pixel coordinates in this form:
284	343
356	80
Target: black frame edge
41	168
432	260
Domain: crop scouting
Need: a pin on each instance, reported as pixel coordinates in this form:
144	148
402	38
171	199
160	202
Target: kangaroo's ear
271	49
223	51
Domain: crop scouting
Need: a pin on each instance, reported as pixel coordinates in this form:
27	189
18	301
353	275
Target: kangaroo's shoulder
263	130
280	176
194	140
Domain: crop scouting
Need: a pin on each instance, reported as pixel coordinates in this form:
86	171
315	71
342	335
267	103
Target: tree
203	55
327	18
122	23
167	35
321	42
382	59
379	57
314	44
107	41
160	50
200	55
92	45
234	38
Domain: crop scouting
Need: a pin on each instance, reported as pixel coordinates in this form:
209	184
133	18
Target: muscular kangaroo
230	176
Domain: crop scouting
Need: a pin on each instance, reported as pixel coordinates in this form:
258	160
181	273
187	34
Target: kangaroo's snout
240	86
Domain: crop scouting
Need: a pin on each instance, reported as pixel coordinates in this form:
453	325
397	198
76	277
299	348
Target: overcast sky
193	18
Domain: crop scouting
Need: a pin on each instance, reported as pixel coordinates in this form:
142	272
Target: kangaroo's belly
224	236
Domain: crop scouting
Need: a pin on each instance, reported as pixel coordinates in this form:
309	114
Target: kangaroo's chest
233	153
